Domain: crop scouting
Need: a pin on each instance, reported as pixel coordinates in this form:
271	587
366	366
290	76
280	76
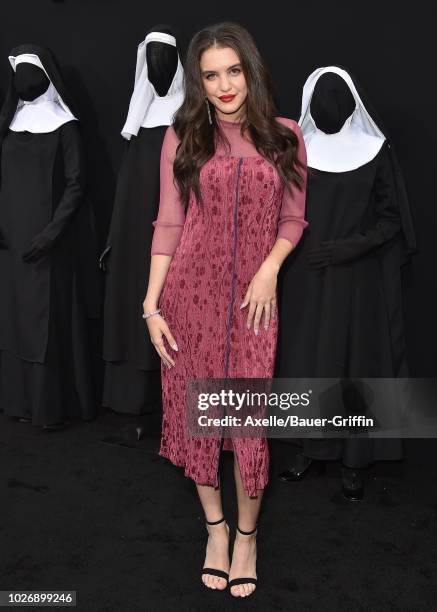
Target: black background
389	47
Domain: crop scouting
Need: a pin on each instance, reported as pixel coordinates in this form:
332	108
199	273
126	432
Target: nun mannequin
132	371
44	364
343	287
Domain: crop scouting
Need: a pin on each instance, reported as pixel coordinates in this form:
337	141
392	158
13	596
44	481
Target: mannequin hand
261	295
102	258
334	252
158	328
40	246
323	255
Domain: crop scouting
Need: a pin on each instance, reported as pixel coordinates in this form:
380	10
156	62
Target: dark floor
123	528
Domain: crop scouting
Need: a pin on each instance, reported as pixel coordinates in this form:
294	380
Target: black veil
401	190
51	67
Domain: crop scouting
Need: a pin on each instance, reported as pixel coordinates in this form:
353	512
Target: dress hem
252	492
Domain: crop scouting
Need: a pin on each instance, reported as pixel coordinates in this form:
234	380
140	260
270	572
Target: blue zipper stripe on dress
231	307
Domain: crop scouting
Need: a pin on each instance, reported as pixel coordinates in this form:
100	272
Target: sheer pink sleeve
292	216
171	216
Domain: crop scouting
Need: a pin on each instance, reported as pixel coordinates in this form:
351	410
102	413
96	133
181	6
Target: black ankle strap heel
216	522
211	570
246	532
247	580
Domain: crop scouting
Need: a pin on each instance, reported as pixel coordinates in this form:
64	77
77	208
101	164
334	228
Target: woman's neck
237	117
227	123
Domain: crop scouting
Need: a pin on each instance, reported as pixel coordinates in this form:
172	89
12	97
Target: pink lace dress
216	250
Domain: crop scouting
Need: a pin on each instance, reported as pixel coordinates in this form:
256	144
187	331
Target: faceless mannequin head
159	82
162	61
332	103
30	81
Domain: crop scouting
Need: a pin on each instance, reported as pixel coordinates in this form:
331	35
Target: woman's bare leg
217	548
244	554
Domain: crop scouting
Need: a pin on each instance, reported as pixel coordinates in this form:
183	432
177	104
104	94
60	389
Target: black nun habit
340	294
132	371
44	369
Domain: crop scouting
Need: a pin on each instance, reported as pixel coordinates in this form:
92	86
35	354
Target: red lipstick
227	98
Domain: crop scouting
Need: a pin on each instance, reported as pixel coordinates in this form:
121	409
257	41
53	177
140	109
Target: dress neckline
232	124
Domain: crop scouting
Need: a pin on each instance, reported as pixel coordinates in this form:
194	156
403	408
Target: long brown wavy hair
198	137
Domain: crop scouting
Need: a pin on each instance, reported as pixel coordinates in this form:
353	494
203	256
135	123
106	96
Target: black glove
334	252
40	246
102	258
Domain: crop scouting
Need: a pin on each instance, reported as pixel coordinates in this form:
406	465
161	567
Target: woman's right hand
158	328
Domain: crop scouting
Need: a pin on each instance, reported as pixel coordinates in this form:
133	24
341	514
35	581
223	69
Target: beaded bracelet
146	315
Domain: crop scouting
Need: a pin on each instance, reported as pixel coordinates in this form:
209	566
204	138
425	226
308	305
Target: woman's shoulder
170	142
170	134
290	123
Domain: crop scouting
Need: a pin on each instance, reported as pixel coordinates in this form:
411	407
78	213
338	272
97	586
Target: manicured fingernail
266	326
175	346
242	305
248	326
256	332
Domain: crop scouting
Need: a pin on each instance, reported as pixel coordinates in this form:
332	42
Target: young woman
233	181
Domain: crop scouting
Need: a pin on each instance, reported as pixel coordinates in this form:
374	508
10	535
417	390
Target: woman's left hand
261	295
